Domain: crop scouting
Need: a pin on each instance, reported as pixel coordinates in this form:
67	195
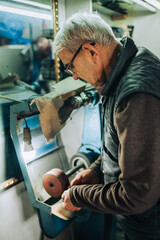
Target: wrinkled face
85	64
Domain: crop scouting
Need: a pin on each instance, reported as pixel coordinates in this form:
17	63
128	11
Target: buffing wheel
55	182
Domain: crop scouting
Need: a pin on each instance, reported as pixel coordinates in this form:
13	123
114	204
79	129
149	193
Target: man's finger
76	180
63	195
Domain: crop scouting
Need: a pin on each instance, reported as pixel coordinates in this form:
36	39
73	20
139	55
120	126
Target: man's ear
91	49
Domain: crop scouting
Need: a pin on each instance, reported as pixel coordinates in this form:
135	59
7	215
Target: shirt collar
126	53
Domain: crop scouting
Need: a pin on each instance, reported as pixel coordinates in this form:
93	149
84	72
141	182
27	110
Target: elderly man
128	78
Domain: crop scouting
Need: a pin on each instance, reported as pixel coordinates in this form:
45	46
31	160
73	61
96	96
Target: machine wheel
81	158
55	182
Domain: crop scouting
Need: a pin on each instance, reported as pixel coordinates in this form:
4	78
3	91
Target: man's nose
75	76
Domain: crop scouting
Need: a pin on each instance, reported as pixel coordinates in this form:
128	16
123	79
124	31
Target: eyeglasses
69	66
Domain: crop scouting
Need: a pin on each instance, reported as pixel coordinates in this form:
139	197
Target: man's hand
85	177
67	202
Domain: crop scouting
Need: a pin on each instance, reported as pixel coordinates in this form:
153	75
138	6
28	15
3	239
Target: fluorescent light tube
35	4
26	13
154	3
145	5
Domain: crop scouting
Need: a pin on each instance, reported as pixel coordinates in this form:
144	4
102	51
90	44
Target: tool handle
74	169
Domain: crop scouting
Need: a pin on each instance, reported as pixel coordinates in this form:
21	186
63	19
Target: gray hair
80	28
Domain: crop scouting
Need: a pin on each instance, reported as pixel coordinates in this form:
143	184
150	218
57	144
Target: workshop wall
146	31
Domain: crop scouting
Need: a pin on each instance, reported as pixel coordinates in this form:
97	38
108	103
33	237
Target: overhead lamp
145	5
154	3
34	4
26	12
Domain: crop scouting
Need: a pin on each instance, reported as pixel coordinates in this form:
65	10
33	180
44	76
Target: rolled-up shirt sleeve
138	187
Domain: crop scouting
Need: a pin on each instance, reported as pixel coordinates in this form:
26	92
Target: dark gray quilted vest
136	70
